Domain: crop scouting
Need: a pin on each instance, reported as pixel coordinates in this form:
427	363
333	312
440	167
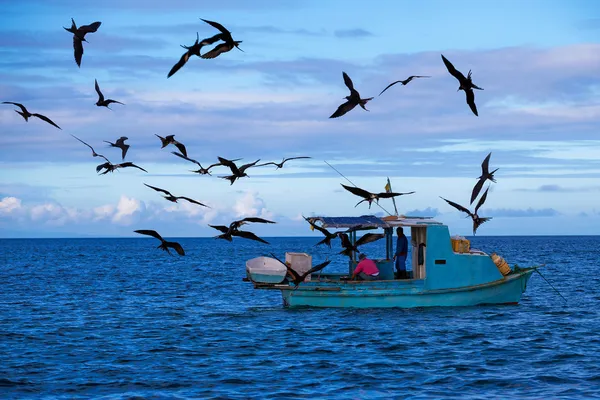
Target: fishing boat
445	271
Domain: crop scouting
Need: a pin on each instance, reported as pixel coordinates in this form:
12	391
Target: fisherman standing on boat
366	269
400	255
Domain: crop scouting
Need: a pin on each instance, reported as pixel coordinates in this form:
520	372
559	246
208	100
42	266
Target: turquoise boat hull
403	293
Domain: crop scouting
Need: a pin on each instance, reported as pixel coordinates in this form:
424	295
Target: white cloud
127	210
250	205
9	205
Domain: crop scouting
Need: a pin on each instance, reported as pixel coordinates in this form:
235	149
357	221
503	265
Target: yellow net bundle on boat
460	244
501	264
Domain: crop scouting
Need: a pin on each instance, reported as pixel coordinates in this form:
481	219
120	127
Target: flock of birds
239	171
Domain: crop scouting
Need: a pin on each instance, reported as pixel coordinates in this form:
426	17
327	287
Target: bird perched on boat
233	229
26	114
120	143
225	36
466	84
170	139
164	245
352	101
328	235
110	167
369	197
94	154
79	37
193	50
237	172
296	277
404	82
477	220
101	102
485	175
174	199
364	239
280	165
202	170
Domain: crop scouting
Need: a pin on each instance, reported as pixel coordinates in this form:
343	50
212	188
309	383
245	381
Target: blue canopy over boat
351	222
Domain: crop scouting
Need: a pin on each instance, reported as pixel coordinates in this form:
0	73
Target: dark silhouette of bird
280	165
164	245
202	170
225	36
26	114
466	84
170	139
352	101
120	143
328	235
364	239
110	167
79	37
368	196
404	82
193	50
485	175
237	172
477	220
296	277
233	229
174	199
101	102
94	154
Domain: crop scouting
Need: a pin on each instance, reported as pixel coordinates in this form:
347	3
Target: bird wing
181	148
107	102
267	163
348	81
471	100
293	158
485	165
294	274
481	200
217	25
457	206
130	164
93	151
21	106
317	227
221	228
91	28
100	95
248	235
184	58
230	164
386	195
257	219
159	189
186	158
357	191
44	118
121	141
150	233
192	201
343	109
124	148
368	238
345	240
314	269
221	48
106	165
453	71
477	189
211	40
388	86
78	50
176	246
246	166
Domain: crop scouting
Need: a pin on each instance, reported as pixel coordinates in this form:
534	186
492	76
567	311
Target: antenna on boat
352	183
536	270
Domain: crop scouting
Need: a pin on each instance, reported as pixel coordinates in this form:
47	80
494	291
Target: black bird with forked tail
164	245
26	114
477	220
485	175
466	84
370	197
351	101
79	37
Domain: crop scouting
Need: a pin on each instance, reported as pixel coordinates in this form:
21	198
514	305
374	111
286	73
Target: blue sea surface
120	319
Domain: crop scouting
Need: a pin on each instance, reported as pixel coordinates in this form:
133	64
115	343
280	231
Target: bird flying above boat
485	175
225	36
193	50
202	170
299	278
170	139
328	235
110	167
368	196
404	82
237	172
477	220
164	245
26	114
352	101
120	143
232	229
94	154
101	102
174	199
280	165
364	239
466	84
79	37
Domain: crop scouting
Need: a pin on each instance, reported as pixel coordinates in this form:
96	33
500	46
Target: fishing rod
536	270
352	183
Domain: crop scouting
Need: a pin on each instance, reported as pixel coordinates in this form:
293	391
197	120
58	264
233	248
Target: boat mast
388	189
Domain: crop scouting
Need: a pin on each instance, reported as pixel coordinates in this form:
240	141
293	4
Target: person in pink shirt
366	269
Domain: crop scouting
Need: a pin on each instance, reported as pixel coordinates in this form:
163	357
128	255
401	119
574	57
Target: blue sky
539	113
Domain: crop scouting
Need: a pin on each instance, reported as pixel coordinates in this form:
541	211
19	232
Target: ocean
120	319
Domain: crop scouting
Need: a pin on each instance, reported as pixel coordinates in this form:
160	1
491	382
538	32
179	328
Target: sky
539	114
